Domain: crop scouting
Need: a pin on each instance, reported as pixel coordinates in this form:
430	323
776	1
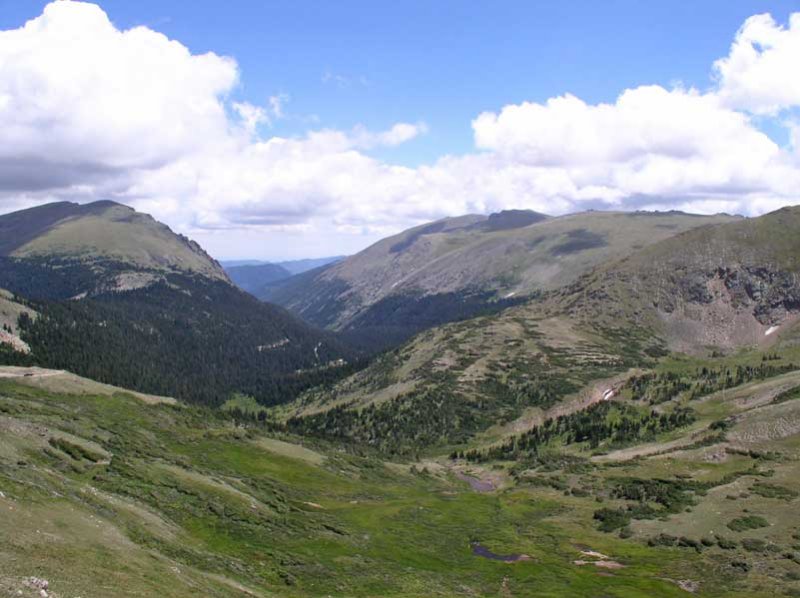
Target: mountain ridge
432	271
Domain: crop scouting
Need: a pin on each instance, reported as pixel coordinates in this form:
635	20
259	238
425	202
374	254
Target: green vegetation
774	491
618	424
607	435
185	336
741	524
188	503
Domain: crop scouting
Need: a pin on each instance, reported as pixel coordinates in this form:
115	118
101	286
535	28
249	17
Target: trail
34	372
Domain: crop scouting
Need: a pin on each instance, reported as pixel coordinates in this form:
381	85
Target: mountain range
597	404
707	290
461	267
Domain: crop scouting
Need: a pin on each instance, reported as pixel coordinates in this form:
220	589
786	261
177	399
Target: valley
399	299
629	432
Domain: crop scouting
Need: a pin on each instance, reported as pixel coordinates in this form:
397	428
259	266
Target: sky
282	130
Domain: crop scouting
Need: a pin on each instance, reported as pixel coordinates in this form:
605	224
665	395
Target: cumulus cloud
760	74
651	141
90	111
78	94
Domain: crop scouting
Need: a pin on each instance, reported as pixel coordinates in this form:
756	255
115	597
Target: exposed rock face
770	295
726	286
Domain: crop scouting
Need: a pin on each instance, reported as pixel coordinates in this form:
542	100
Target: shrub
662	540
612	519
773	491
747	522
726	544
754	545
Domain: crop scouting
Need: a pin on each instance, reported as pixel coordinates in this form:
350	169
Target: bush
773	491
741	524
662	540
612	519
742	566
754	545
726	544
685	542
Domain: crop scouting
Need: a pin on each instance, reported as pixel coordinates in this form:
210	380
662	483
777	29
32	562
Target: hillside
724	286
465	265
712	289
112	294
181	502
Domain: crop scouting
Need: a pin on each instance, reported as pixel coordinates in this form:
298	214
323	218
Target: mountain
655	394
300	266
293	266
460	267
725	286
252	278
632	432
255	277
708	290
103	231
119	297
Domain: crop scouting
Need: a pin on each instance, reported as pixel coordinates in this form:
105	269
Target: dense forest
186	336
437	415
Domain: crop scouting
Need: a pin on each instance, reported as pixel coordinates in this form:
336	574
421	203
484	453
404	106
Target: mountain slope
728	286
473	259
102	231
148	309
725	286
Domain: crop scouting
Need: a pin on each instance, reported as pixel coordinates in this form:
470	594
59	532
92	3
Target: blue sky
326	174
441	62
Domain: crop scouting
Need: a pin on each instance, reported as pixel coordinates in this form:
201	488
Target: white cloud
251	116
90	111
762	71
277	104
80	96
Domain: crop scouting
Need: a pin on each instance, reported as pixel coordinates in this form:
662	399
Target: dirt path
33	372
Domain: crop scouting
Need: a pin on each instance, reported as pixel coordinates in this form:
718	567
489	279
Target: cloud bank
89	111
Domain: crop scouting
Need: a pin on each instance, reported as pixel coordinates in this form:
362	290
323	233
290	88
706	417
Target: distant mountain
109	293
459	267
235	263
300	266
256	277
292	266
252	278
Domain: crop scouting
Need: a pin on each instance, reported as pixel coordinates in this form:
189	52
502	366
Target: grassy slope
119	233
173	500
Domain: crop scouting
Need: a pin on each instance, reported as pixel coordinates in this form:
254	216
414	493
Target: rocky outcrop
770	295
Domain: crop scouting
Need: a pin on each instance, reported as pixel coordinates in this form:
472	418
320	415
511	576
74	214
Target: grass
193	505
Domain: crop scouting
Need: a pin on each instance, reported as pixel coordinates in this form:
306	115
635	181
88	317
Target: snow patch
770	330
608	394
509	295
